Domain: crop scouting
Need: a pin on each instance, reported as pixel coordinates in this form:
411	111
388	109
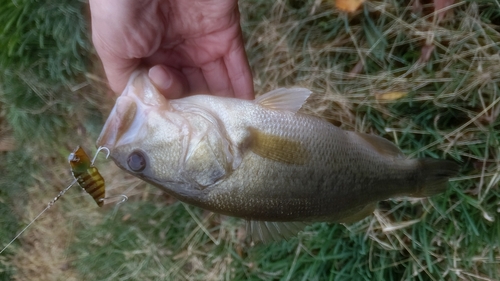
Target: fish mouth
130	111
118	123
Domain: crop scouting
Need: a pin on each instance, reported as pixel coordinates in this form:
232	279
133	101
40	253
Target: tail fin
434	175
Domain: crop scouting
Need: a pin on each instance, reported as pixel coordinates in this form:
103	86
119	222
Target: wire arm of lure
123	196
115	210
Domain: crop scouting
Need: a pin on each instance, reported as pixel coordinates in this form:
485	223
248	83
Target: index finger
239	73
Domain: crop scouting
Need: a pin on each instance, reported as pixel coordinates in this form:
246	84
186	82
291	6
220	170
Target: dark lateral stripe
90	186
85	176
84	179
91	181
95	186
99	187
98	195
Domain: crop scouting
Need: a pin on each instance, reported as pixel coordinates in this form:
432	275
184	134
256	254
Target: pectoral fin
278	148
265	231
284	99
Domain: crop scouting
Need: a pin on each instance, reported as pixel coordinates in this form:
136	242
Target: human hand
190	46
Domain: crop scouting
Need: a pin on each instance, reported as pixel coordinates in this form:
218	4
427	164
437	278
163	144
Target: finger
239	73
170	82
123	32
196	80
217	78
118	72
117	69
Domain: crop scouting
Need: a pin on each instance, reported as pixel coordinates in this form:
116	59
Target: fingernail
160	77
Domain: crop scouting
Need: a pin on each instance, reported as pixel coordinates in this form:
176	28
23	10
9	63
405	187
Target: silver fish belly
261	160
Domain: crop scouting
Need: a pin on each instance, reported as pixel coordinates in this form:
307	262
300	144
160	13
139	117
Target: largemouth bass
261	160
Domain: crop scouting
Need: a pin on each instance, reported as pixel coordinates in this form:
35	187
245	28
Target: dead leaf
7	144
417	7
390	96
426	53
126	217
356	69
442	4
348	5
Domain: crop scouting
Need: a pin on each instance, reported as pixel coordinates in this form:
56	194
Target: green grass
45	55
450	111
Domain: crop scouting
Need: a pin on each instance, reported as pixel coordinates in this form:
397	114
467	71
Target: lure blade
87	175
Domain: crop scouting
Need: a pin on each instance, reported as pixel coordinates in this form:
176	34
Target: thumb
169	81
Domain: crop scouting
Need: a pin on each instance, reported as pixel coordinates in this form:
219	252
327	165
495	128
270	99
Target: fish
261	160
87	175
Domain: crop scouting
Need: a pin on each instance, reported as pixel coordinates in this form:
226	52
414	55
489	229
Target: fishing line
46	208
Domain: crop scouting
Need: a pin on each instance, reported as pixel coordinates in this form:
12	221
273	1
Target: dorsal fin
266	231
284	99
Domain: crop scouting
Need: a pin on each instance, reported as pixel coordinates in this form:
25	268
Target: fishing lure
87	175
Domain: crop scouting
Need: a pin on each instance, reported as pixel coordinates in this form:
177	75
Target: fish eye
137	161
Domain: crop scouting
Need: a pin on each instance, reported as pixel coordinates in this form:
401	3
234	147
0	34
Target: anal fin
265	231
381	145
360	214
